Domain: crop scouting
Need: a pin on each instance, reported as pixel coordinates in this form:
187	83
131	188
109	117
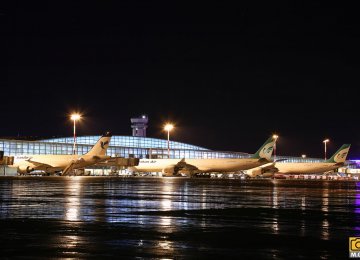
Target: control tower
139	125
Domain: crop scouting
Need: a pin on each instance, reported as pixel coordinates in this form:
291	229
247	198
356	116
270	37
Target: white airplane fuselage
201	165
305	168
52	163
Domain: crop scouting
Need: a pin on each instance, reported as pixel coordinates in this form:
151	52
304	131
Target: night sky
227	75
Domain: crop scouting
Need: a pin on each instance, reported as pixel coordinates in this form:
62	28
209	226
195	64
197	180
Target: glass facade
127	141
124	146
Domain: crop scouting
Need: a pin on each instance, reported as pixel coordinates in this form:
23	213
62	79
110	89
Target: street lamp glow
275	137
75	117
325	142
168	128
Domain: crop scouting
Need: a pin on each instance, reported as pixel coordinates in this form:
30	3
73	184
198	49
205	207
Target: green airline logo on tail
340	155
265	150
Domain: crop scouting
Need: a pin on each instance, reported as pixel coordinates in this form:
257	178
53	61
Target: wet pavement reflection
102	217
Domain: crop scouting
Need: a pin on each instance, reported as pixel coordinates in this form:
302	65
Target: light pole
75	117
168	128
325	141
275	137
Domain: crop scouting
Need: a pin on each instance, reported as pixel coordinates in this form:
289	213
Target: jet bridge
120	162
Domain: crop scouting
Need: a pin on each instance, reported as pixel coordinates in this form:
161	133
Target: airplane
173	167
283	167
26	164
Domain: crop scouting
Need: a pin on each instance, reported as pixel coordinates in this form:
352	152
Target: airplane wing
68	168
184	166
269	168
38	164
264	170
181	166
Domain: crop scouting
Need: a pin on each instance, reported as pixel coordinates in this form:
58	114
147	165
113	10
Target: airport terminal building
137	146
123	146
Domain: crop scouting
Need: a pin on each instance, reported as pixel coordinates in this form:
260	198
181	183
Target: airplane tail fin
340	155
265	150
99	149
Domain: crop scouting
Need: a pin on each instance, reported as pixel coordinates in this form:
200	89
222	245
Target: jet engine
254	172
174	170
261	172
169	171
180	167
23	169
